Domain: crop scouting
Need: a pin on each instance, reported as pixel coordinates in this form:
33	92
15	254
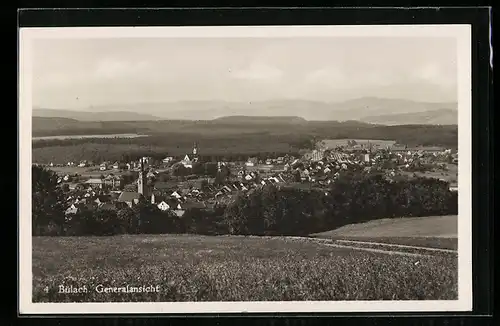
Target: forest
176	138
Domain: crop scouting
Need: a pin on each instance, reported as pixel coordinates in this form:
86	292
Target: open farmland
431	231
231	268
83	171
332	143
112	149
62	137
450	175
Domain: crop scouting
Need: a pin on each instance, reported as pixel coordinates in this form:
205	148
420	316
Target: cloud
109	68
333	77
328	76
53	79
258	71
433	73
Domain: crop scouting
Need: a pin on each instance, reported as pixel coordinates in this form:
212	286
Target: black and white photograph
256	169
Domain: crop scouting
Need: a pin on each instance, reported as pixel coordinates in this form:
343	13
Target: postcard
245	169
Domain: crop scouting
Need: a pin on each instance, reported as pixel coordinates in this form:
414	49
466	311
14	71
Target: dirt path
384	248
396	246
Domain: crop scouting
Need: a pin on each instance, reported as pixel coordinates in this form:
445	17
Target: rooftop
129	196
94	181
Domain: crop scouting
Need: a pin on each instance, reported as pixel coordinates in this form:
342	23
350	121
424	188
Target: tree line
109	153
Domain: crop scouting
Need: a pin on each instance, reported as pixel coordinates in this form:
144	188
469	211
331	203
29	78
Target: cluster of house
96	199
166	195
323	166
412	157
320	166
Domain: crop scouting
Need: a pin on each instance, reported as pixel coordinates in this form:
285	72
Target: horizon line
83	109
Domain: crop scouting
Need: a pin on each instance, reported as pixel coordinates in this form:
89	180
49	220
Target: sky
82	73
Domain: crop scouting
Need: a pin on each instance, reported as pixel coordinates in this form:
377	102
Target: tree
132	187
180	170
198	169
47	202
218	180
126	217
210	169
225	172
204	184
65	188
163	177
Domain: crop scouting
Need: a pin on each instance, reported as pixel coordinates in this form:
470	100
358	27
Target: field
451	175
432	231
62	137
85	171
332	143
232	268
112	149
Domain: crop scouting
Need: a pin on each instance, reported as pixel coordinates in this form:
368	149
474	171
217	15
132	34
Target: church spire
195	148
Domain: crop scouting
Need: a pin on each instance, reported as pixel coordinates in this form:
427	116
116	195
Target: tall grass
196	268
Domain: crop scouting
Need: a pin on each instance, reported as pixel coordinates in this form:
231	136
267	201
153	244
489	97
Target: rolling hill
363	109
261	119
93	116
434	117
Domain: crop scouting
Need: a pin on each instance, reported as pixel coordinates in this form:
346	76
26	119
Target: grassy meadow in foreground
204	268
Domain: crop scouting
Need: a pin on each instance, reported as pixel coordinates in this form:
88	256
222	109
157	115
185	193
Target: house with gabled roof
168	159
71	210
176	195
94	183
102	199
131	198
112	180
163	206
164	186
274	179
107	207
188	204
252	161
187	162
162	202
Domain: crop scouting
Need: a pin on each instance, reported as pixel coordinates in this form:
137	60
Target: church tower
141	182
195	152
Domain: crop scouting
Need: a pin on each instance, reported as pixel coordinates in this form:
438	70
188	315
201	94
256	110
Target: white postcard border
462	33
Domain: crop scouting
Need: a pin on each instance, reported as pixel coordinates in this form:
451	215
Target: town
181	183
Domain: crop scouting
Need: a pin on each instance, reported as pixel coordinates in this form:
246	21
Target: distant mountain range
261	119
434	117
94	115
366	109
